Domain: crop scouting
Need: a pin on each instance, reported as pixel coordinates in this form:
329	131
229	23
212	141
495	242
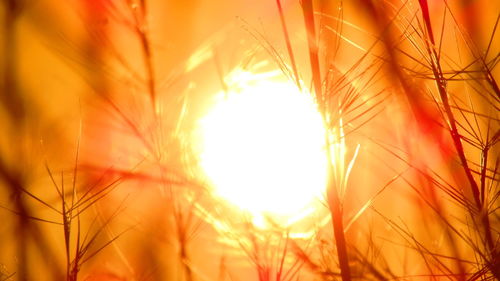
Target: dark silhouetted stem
307	9
457	141
333	197
288	44
338	228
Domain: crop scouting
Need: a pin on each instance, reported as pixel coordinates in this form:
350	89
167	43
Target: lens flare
263	148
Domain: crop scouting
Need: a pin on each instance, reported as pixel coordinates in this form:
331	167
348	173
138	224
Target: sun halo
262	149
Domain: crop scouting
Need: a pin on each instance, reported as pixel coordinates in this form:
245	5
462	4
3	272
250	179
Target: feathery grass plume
446	109
409	98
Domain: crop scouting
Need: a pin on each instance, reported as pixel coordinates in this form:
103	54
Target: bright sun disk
263	149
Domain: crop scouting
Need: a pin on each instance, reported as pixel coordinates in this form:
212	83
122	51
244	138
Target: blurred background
99	172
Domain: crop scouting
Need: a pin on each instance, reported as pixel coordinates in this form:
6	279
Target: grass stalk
288	44
12	102
308	12
443	93
333	195
336	213
182	226
141	29
456	138
455	191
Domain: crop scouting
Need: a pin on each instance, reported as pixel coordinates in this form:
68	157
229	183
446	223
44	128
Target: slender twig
288	44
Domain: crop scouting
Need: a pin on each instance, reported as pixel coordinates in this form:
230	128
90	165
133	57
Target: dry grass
99	177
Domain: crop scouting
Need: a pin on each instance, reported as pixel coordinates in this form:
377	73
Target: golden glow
263	148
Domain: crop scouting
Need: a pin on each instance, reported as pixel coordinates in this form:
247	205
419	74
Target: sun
263	148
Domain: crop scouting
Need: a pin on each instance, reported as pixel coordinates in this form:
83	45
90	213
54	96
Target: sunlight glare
263	148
